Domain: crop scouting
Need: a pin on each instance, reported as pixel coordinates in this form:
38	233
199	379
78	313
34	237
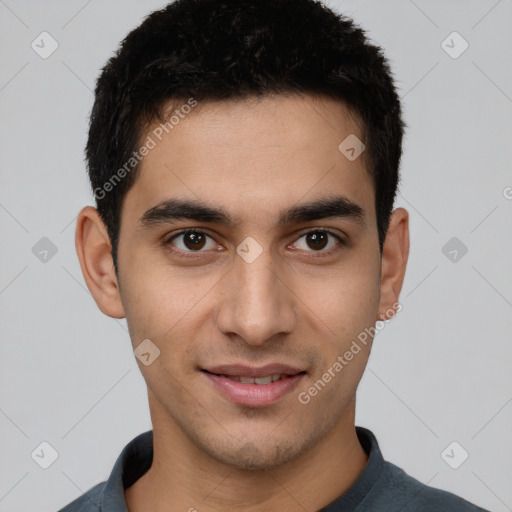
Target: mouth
254	387
261	381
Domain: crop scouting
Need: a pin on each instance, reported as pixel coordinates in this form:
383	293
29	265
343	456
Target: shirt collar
137	457
352	498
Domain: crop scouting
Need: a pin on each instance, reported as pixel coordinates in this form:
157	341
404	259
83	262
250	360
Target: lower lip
254	395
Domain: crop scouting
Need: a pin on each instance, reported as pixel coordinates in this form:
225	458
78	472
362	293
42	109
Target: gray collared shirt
382	486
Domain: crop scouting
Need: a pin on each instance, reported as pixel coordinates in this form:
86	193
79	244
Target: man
244	156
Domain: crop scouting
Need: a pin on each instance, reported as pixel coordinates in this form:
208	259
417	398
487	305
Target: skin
252	158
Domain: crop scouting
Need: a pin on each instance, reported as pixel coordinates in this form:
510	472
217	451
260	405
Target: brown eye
192	241
319	240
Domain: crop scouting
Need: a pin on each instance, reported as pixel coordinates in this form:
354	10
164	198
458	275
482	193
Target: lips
237	370
254	386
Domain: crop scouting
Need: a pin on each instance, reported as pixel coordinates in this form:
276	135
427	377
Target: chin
256	456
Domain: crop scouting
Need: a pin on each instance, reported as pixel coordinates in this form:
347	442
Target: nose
257	303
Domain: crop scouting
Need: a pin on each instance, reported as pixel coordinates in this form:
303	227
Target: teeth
264	380
255	380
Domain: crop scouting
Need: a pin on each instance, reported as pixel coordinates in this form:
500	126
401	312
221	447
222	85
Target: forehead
252	156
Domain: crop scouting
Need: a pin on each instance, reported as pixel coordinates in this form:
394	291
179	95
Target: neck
183	478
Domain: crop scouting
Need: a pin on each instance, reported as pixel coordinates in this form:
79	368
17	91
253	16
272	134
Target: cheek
163	303
150	303
347	298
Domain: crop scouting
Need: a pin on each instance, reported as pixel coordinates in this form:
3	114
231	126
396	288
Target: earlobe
395	253
93	248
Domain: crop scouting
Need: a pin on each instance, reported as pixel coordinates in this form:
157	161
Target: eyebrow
176	209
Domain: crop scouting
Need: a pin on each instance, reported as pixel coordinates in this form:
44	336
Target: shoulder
88	502
407	492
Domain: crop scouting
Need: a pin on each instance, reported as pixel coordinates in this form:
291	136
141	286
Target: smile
255	380
254	391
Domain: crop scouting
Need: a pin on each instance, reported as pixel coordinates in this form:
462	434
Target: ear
395	252
93	248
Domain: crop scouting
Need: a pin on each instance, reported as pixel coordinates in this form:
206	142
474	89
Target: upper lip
253	371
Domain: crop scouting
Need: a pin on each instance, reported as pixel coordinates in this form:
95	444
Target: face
272	268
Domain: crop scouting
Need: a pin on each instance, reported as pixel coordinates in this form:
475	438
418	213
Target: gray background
439	372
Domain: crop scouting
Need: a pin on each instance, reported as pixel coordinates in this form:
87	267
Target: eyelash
190	254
